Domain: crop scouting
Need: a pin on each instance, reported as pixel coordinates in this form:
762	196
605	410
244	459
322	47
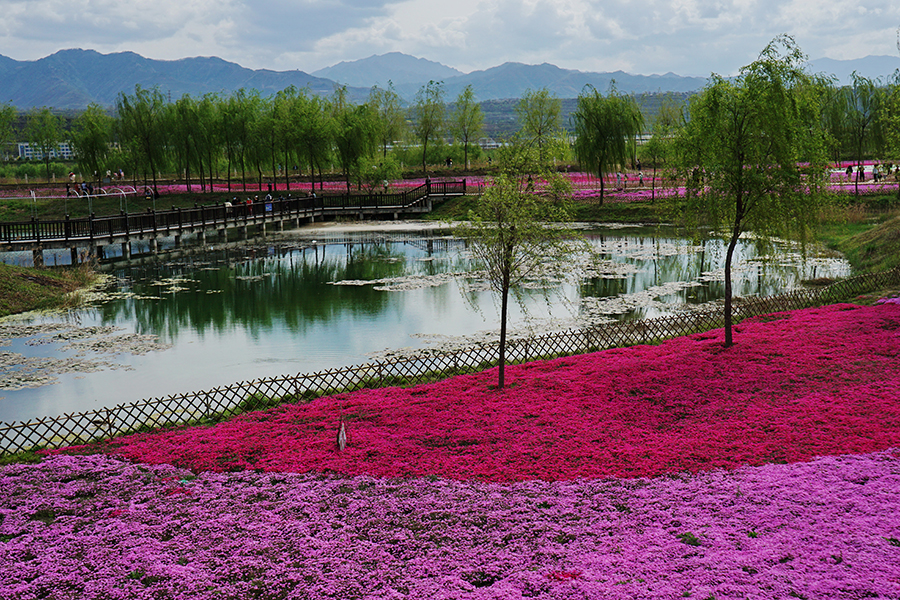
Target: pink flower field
795	385
767	470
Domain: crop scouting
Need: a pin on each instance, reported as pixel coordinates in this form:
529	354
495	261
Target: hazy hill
512	80
72	79
509	80
873	67
395	67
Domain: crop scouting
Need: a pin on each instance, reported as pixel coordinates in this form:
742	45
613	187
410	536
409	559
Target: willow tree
141	119
861	104
509	231
7	117
388	105
757	153
44	132
355	135
659	147
540	119
891	118
92	133
603	127
427	115
467	121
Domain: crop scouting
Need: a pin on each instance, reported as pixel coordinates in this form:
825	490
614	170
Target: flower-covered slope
796	385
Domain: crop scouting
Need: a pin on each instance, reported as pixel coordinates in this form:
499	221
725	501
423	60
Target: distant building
487	143
63	151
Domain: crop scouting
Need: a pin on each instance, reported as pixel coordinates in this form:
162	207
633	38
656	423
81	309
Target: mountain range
72	79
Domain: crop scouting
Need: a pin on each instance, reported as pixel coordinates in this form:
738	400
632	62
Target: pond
326	297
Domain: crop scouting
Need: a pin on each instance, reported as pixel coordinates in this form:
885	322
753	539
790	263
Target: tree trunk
735	234
504	301
602	184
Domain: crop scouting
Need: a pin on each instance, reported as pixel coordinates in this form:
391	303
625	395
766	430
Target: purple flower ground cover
94	527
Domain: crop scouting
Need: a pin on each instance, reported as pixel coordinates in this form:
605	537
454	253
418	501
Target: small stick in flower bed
342	436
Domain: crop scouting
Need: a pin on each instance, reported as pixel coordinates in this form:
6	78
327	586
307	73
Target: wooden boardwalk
94	233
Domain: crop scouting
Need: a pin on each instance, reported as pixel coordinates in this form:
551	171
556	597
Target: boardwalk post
37	257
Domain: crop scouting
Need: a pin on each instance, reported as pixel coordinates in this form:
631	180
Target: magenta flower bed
796	385
91	527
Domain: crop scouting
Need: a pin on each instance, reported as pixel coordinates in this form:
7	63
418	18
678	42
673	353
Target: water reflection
297	305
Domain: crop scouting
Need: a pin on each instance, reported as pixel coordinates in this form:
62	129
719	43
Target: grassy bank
457	209
23	289
868	235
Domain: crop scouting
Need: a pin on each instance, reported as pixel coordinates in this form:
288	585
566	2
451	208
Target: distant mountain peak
379	69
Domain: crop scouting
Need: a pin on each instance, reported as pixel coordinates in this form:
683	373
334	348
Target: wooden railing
105	228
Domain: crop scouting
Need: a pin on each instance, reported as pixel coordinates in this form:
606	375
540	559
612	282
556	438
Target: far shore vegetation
866	229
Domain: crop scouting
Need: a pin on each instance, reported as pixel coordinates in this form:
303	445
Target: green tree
387	104
508	229
315	133
92	133
603	127
756	153
140	118
467	121
208	139
182	121
891	120
658	148
427	115
355	135
540	119
43	130
7	117
237	115
861	104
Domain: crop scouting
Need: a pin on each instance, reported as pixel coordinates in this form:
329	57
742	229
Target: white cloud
689	37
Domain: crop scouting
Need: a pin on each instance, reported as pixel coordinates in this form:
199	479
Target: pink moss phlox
92	527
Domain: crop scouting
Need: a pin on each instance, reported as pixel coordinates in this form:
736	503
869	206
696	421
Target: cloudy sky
687	37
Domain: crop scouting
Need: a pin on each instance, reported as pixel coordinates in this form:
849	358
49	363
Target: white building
64	152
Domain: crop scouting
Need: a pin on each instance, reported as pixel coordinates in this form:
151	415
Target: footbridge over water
89	236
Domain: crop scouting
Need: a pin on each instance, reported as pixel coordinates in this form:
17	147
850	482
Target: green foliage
688	538
508	229
43	130
540	120
890	120
355	136
603	128
753	153
427	116
658	150
854	118
91	137
391	118
467	121
7	117
377	173
142	131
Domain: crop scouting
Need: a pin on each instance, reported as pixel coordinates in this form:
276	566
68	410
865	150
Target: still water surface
299	303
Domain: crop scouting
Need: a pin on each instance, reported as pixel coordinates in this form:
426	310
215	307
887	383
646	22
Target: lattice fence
222	402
